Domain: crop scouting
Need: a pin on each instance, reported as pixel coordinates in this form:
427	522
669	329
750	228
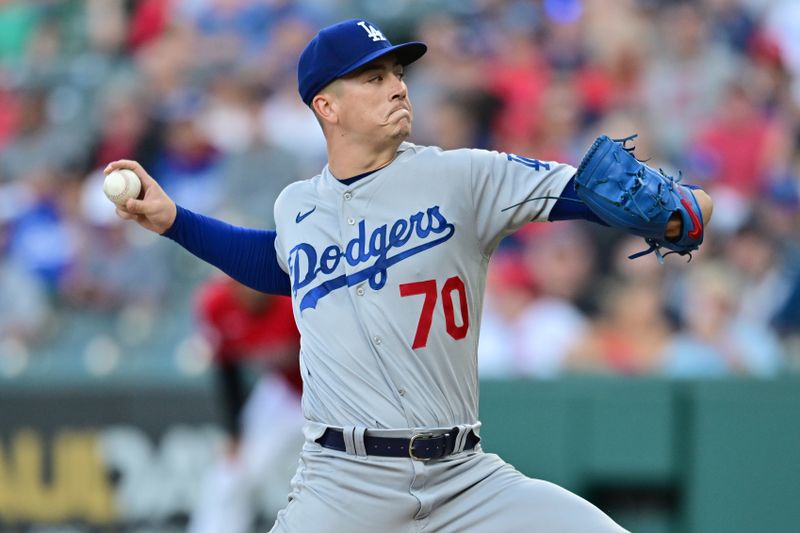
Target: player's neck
346	161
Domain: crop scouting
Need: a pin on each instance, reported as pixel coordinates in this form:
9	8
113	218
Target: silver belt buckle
411	445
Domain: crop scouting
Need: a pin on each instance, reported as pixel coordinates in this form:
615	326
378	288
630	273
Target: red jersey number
453	289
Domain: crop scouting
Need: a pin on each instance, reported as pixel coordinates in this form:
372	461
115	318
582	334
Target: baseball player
263	425
386	252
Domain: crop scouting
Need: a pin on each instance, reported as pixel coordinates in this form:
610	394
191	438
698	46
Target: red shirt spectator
149	20
244	325
519	81
736	149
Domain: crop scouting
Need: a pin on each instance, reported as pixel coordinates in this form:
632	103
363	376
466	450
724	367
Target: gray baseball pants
470	492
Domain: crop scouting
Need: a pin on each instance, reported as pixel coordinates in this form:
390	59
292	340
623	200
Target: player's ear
323	107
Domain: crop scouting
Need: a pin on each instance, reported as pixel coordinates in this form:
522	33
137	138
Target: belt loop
358	440
349	441
461	438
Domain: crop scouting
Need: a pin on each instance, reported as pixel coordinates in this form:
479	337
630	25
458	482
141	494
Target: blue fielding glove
628	194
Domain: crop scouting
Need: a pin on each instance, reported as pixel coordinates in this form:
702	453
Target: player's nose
399	89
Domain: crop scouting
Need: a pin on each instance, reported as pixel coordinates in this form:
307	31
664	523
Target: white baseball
121	184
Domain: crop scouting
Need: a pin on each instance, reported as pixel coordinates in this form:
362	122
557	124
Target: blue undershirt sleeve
570	207
247	255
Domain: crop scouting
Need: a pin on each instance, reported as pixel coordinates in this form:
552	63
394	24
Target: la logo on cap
372	32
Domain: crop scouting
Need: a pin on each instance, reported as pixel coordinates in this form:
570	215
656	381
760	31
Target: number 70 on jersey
452	289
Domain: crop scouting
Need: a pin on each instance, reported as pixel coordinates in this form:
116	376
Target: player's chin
402	128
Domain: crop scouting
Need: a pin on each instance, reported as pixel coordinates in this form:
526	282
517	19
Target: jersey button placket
347	213
350	232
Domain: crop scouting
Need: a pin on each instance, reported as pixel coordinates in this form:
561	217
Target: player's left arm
569	206
508	191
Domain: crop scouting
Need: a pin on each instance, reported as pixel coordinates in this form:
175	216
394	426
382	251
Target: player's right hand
154	209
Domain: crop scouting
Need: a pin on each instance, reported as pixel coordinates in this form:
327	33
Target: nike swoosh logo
697	227
300	216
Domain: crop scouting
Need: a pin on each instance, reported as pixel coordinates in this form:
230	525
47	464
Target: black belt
422	446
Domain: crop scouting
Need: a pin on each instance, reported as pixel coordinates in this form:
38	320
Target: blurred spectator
732	22
37	143
287	124
715	342
232	30
164	64
768	78
781	217
252	172
264	427
227	116
557	137
686	78
44	238
293	29
519	77
531	318
740	147
462	120
126	130
787	323
612	77
622	267
561	259
24	304
782	22
9	111
779	209
187	165
509	292
629	335
252	180
18	22
766	280
452	49
148	20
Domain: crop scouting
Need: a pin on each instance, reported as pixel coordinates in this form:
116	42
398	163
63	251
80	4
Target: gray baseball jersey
387	282
388	278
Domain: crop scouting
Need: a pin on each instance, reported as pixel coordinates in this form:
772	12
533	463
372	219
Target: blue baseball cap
342	48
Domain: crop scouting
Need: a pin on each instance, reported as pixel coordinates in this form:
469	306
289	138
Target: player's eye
377	77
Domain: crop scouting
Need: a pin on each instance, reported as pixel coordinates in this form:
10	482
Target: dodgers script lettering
405	237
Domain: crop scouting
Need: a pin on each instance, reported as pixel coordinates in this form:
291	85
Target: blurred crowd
203	93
